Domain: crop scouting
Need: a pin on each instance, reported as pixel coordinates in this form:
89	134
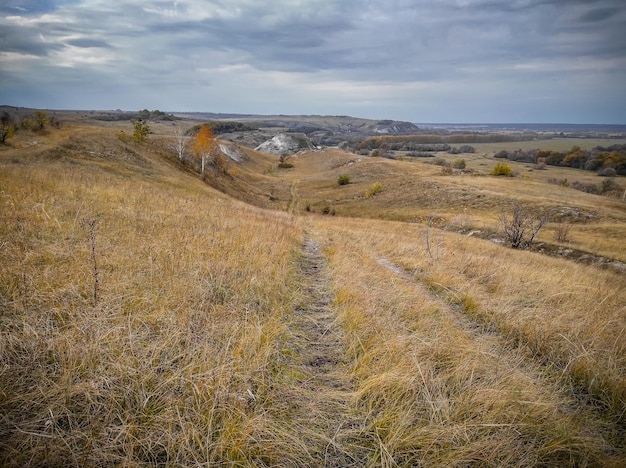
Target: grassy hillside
150	319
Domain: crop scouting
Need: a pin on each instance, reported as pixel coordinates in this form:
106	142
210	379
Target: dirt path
325	417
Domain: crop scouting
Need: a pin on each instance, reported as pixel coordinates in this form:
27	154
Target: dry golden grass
175	363
438	391
147	319
572	316
418	192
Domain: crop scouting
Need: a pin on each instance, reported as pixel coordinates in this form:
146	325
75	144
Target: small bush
343	179
285	165
328	210
462	149
123	136
459	163
583	187
520	228
609	185
541	164
374	189
439	162
501	170
607	172
562	232
140	131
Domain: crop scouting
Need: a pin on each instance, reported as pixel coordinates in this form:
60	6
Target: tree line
415	142
35	122
606	161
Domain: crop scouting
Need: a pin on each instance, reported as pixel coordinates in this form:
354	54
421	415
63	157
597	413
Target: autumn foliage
202	148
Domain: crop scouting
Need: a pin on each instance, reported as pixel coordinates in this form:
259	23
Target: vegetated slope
467	201
142	314
445	383
149	319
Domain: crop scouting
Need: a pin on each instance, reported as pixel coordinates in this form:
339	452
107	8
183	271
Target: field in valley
148	318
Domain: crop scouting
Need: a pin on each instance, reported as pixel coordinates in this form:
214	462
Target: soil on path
325	416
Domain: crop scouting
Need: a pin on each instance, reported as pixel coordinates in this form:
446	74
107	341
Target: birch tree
205	140
179	145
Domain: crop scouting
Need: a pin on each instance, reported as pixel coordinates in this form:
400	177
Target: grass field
149	319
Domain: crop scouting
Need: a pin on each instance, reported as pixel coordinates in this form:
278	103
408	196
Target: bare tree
521	227
179	145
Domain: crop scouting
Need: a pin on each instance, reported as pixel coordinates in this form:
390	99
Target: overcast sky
418	60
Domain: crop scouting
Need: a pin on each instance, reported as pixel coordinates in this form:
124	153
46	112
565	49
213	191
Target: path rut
326	416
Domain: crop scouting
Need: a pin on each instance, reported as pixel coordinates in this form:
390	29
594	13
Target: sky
456	61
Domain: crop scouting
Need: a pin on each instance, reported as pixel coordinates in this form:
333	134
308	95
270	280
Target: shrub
609	185
374	189
420	154
587	188
343	179
541	164
562	232
123	136
141	131
520	228
459	163
607	172
285	165
462	149
501	170
439	162
328	210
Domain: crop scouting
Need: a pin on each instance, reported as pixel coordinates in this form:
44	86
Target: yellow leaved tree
204	145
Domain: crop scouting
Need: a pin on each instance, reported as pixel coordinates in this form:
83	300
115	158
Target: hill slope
149	319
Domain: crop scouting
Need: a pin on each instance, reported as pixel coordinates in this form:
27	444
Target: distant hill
322	129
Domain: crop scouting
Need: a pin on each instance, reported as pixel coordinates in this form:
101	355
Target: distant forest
607	161
416	142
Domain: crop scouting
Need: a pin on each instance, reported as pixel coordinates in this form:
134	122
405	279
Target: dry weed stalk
90	224
562	233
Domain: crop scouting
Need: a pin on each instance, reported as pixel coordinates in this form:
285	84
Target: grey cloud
88	43
599	14
483	45
24	41
12	7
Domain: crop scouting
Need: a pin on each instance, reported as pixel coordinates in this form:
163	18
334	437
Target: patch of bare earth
325	415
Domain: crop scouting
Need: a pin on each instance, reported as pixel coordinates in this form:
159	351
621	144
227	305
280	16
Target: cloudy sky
418	60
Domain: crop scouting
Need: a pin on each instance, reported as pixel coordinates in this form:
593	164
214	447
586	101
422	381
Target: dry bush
562	232
520	227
